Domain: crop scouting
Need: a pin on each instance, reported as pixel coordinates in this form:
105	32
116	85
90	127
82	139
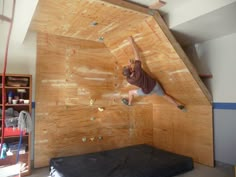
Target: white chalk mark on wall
82	91
94	79
53	81
146	52
108	28
109	95
93	71
67	85
42	114
120	46
179	71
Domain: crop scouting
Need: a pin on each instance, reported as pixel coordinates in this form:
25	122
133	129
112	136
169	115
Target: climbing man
135	75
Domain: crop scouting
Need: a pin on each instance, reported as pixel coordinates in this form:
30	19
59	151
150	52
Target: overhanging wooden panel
160	60
69	73
75	18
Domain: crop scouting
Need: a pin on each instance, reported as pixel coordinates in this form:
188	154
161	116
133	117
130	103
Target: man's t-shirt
141	78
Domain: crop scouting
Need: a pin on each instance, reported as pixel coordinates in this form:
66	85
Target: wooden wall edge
129	5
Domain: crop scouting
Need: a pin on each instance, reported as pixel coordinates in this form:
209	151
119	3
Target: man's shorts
156	90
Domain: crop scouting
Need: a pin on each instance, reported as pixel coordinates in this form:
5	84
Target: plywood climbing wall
70	73
84	62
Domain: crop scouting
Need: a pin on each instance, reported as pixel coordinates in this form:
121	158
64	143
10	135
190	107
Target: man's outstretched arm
135	48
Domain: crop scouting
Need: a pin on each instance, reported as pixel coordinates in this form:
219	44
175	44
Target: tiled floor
205	171
199	171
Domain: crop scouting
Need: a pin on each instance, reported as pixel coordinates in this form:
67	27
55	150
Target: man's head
126	71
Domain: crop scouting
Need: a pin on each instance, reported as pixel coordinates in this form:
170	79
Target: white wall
23	15
3	38
22	49
206	27
24	10
187	10
21	57
225	139
218	56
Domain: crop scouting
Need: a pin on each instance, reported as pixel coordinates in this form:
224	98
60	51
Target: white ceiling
194	21
183	10
212	25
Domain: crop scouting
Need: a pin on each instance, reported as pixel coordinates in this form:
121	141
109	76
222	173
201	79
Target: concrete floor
199	171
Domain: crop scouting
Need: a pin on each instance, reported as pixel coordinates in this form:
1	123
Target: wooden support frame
205	76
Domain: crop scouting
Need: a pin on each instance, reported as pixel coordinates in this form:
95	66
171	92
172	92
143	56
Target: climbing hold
92	139
101	38
91	102
100	138
100	109
92	118
94	23
84	139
